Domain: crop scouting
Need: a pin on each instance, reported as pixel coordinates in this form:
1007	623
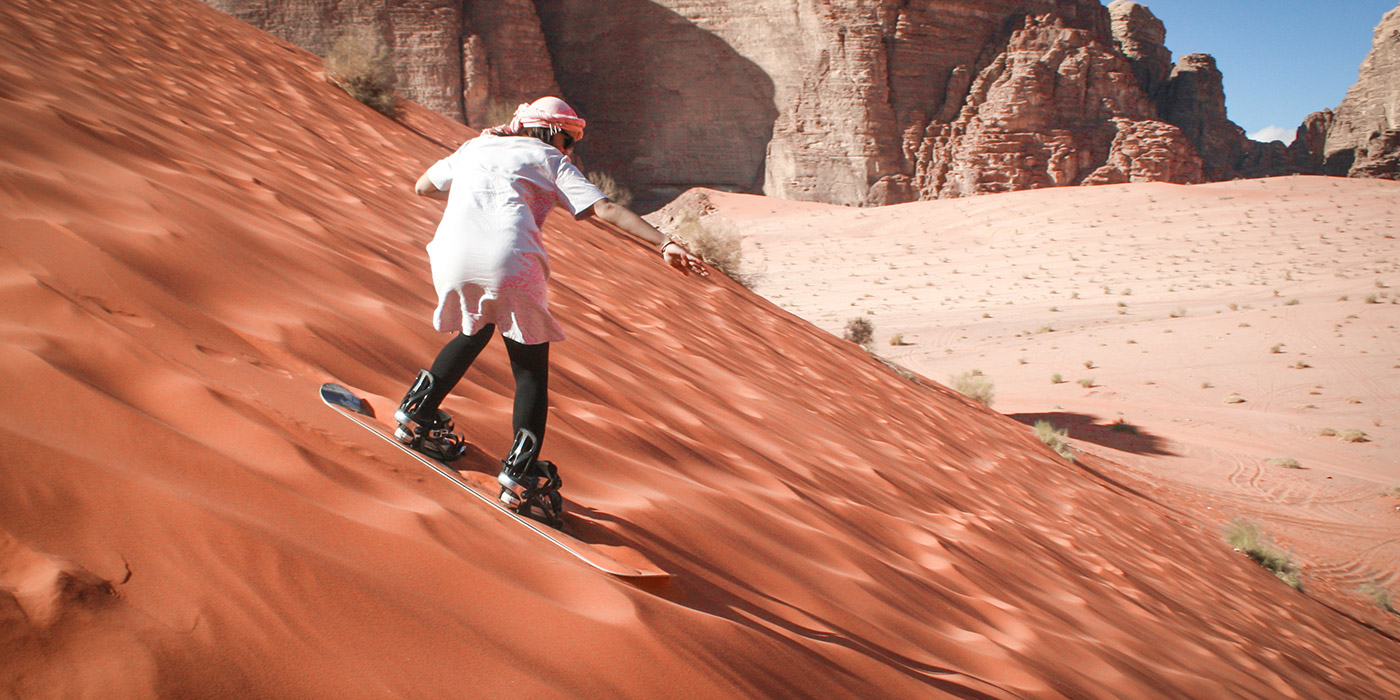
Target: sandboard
348	404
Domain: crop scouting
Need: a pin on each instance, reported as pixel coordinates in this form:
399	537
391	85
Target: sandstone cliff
470	61
1047	113
1193	99
859	102
425	36
1141	37
1364	136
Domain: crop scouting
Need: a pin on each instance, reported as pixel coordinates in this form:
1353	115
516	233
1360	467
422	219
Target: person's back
488	245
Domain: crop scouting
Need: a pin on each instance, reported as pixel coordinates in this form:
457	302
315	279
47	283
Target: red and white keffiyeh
549	112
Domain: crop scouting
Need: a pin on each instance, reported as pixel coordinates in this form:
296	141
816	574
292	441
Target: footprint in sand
134	319
244	358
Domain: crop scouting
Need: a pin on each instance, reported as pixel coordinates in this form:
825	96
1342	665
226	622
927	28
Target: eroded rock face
471	61
1141	37
1148	151
807	99
676	94
1194	100
425	37
1361	131
505	60
1047	112
858	102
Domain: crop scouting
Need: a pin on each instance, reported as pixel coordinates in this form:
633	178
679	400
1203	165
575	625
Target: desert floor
1230	328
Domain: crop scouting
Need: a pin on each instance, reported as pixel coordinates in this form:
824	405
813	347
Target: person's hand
682	260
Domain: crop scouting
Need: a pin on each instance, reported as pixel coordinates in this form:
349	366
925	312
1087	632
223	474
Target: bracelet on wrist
666	243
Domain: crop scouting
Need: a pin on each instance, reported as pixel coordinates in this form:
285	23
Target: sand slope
196	231
1233	325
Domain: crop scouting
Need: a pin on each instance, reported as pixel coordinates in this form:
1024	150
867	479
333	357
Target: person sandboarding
489	267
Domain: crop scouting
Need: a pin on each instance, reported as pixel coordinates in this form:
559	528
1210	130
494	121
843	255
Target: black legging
529	364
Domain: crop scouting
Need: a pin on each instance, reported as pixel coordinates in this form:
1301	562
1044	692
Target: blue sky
1282	59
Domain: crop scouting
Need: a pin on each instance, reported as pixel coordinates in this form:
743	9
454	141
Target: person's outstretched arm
676	256
426	188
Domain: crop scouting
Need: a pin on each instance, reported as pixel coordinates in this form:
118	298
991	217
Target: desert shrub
1351	435
897	340
1286	463
1087	383
359	62
1057	378
616	191
1054	438
1122	426
1379	594
715	243
1234	398
861	331
1249	538
974	385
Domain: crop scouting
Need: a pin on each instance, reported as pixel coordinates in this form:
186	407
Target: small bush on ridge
860	331
616	191
1249	538
974	385
717	244
1054	438
359	62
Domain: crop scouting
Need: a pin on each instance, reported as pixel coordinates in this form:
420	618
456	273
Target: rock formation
1148	151
1193	99
426	37
858	102
1364	136
674	97
470	61
1046	113
505	60
1309	144
1141	37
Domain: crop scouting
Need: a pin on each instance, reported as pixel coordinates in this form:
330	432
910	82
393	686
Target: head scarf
548	112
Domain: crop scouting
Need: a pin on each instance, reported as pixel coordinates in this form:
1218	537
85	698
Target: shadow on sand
1087	428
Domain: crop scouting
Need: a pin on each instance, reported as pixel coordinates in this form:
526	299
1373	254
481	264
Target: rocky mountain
1046	112
1363	134
860	102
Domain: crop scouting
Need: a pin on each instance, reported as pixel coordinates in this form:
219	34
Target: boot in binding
430	434
530	484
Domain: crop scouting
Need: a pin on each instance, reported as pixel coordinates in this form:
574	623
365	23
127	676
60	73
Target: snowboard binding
529	484
431	434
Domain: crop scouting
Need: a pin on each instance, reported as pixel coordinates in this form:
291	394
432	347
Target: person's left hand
682	260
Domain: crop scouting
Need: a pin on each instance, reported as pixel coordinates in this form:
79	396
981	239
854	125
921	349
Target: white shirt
488	259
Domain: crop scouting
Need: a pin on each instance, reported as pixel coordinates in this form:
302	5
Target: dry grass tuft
715	243
360	63
1055	438
1248	537
861	331
1380	594
616	191
974	385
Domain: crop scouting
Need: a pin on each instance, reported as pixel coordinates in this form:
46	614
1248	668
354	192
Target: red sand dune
196	231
